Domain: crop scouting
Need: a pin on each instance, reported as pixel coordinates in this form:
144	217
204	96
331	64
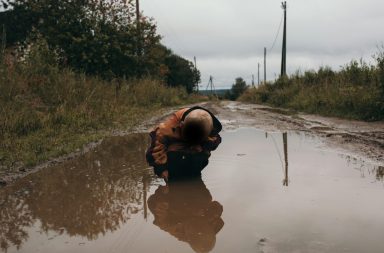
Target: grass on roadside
47	112
355	92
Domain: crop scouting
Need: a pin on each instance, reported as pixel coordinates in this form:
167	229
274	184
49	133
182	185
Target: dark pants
181	164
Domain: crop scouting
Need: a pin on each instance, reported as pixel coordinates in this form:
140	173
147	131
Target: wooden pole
265	65
197	81
138	14
3	45
138	27
284	50
285	141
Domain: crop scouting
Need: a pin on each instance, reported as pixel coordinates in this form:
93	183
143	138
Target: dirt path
355	138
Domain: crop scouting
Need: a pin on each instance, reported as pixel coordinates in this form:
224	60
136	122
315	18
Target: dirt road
355	138
263	191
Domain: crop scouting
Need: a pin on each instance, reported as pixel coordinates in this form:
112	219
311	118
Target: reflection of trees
185	210
14	217
87	196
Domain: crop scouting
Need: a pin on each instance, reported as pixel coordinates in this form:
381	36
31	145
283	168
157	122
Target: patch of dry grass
48	112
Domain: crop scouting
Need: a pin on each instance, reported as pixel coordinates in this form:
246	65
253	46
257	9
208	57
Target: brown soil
355	138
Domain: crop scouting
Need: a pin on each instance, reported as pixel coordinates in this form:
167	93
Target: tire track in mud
356	138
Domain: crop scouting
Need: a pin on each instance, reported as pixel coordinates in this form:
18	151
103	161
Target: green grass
48	112
354	92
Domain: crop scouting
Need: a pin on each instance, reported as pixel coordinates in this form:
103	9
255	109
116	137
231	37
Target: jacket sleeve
212	142
157	153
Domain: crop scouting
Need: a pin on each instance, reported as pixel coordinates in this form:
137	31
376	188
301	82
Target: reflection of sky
329	205
333	202
228	36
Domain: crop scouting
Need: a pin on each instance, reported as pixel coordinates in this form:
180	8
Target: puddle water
261	192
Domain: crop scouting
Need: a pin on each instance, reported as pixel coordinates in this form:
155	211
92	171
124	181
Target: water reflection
185	209
102	196
360	165
285	142
285	147
87	197
380	173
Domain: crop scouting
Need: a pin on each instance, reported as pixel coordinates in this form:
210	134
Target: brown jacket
167	137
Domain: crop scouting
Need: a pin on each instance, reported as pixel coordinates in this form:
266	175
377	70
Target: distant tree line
96	37
237	89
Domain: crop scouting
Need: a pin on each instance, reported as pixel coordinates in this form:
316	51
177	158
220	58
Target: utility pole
258	74
138	27
284	52
265	65
210	84
253	81
138	14
197	81
3	45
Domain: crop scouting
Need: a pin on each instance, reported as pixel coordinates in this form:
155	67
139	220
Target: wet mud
356	138
263	191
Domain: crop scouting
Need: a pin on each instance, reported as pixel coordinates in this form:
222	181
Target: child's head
197	126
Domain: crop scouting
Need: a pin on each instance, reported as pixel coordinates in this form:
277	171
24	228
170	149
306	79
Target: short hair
198	124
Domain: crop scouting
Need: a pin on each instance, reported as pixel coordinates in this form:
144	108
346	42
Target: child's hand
197	148
165	175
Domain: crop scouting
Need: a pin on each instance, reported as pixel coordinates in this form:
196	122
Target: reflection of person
185	210
188	136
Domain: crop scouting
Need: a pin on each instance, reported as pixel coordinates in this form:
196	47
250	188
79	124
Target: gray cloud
228	36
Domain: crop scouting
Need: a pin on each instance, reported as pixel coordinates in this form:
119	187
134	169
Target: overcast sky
228	36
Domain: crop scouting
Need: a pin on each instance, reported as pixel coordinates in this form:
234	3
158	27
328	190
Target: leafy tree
94	36
238	88
98	37
181	72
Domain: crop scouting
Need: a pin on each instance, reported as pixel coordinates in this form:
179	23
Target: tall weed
356	91
47	111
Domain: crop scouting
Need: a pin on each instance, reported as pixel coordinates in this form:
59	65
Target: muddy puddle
261	192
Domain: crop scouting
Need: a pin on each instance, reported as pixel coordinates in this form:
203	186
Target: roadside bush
64	109
356	91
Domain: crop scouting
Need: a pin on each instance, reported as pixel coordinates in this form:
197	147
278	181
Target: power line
277	34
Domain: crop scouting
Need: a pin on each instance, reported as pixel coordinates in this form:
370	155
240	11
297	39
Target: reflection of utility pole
285	140
284	53
145	197
265	65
